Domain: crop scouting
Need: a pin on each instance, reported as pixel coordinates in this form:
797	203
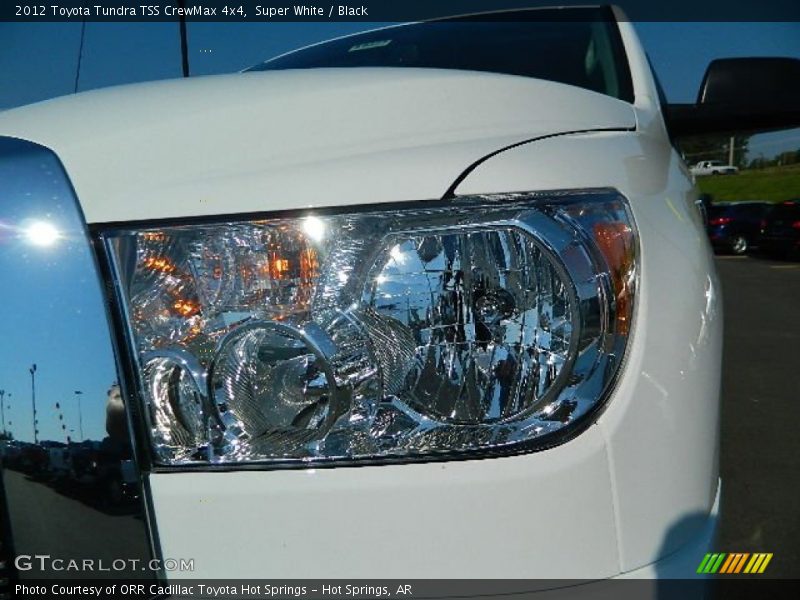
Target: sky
39	60
51	309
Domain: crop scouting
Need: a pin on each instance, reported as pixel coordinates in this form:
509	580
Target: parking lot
63	526
760	444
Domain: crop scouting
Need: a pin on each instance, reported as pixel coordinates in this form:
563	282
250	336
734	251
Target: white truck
713	167
397	305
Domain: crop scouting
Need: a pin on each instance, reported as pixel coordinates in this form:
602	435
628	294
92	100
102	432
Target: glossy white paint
545	515
683	562
294	139
658	431
638	485
661	424
644	87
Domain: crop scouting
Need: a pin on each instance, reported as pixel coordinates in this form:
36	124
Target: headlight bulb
488	323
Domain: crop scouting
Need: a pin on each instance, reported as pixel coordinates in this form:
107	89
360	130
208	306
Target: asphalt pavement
61	526
760	431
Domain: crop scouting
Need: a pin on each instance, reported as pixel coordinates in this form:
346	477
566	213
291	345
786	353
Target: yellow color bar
740	564
753	564
765	563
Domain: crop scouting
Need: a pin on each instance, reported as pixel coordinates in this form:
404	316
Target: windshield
579	47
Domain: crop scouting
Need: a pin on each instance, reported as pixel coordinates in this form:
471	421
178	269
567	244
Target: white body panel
526	516
659	432
285	140
661	424
637	485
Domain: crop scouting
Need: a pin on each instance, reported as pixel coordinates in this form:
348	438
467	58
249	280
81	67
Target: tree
714	147
789	157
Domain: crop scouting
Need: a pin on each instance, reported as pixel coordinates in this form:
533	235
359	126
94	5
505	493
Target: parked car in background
736	226
713	167
59	462
703	203
781	230
31	459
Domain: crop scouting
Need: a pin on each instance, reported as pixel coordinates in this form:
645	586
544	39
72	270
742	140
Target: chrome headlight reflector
485	324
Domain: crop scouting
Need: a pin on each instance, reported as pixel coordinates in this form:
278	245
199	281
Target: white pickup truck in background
713	167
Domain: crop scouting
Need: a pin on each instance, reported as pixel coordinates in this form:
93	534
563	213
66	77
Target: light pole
3	408
33	402
78	394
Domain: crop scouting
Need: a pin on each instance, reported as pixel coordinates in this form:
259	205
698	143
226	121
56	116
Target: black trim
709	119
451	191
623	65
541	444
101	227
8	572
136	423
125	364
292	213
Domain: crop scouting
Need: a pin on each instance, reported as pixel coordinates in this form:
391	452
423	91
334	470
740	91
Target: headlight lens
491	323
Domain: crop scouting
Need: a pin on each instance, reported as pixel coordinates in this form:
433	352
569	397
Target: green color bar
718	563
703	564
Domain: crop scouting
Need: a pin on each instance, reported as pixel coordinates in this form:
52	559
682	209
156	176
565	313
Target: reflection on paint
68	485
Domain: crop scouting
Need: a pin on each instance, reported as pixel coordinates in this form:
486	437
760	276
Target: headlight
486	324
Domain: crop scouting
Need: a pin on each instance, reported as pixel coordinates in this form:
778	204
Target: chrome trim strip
72	485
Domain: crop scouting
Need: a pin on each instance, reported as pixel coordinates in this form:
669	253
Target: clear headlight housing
485	325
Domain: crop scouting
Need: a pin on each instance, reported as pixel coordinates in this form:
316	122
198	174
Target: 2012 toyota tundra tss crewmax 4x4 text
429	301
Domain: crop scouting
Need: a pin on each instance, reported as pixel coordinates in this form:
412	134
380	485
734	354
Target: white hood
293	139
